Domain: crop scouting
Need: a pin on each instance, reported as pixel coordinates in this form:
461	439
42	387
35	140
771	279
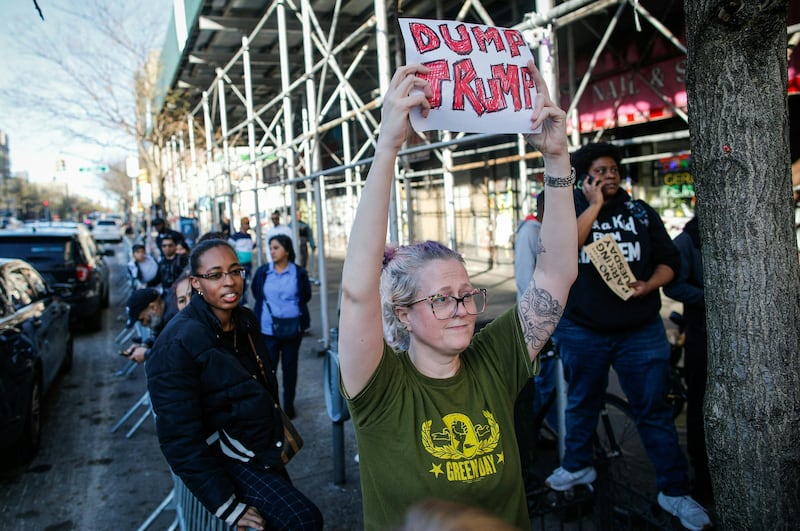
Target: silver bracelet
560	182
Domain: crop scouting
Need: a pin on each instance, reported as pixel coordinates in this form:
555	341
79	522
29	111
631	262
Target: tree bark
738	109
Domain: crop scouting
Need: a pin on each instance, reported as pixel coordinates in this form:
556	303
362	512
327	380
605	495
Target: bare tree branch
93	78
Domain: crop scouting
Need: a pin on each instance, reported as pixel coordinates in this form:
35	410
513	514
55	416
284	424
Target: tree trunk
737	87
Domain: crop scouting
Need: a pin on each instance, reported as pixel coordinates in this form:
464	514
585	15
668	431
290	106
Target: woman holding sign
433	405
604	325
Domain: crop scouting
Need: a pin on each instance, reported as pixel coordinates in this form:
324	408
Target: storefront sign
479	76
629	98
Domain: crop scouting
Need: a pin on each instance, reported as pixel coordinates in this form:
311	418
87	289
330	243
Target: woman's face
606	170
447	336
277	252
180	249
183	293
222	294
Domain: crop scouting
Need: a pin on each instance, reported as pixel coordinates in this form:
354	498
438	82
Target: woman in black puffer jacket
215	401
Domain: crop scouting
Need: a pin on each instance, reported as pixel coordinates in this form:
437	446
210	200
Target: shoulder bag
285	327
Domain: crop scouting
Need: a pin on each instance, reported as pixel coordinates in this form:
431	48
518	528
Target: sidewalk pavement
312	470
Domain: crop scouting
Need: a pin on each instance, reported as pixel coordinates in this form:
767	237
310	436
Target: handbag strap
263	288
261	368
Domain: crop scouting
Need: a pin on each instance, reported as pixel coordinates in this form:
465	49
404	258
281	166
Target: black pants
696	364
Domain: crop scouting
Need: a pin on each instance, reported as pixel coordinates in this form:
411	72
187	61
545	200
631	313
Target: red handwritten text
428	39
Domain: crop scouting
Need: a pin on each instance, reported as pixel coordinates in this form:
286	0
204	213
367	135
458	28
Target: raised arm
360	325
542	303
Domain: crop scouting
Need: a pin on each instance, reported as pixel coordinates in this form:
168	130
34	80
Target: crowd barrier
336	406
143	402
190	515
123	340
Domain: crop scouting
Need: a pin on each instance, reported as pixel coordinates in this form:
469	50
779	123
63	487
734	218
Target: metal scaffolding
303	141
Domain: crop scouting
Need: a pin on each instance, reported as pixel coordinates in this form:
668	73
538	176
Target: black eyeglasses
217	275
446	306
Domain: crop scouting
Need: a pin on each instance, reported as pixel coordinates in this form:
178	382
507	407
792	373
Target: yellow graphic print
467	448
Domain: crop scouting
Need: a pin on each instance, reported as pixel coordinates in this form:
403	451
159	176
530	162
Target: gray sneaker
562	479
689	512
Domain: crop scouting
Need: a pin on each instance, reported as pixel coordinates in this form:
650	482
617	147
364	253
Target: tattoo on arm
539	315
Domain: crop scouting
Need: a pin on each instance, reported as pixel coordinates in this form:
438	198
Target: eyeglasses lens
446	307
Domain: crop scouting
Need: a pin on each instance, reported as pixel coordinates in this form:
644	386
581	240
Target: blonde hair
399	282
434	514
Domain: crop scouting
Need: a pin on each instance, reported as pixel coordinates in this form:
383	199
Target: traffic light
46	203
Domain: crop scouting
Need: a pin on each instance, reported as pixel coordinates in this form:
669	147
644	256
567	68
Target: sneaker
689	512
562	479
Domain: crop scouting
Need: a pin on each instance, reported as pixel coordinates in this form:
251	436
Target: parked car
107	230
69	260
35	343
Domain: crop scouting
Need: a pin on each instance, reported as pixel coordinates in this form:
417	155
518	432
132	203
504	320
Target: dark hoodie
644	241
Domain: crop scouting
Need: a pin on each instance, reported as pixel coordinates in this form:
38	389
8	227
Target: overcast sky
33	145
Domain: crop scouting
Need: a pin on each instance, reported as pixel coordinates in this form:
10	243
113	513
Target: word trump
506	79
475	71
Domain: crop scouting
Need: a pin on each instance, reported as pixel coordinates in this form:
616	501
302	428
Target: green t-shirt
452	438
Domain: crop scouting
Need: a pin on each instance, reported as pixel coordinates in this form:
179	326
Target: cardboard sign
607	258
479	76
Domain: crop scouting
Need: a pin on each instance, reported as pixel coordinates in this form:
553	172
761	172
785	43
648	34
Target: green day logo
467	449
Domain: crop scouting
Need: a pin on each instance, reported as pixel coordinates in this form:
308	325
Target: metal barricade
138	333
190	515
336	406
143	402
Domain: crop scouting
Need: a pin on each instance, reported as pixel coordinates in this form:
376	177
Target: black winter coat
211	403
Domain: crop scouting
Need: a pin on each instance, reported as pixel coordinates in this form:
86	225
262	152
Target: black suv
35	344
68	258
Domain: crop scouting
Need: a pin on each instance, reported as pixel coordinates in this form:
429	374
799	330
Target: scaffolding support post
251	143
226	156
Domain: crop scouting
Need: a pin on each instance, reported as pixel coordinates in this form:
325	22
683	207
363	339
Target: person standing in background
281	290
143	268
687	288
279	228
171	264
162	231
243	244
182	247
306	239
600	329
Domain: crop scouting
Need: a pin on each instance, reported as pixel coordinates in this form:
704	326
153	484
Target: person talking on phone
599	330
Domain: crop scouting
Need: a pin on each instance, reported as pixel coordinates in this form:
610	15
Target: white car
107	230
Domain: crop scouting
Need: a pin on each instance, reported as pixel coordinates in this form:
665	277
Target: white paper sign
479	76
607	258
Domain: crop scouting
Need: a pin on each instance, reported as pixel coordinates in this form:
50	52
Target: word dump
608	259
478	75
